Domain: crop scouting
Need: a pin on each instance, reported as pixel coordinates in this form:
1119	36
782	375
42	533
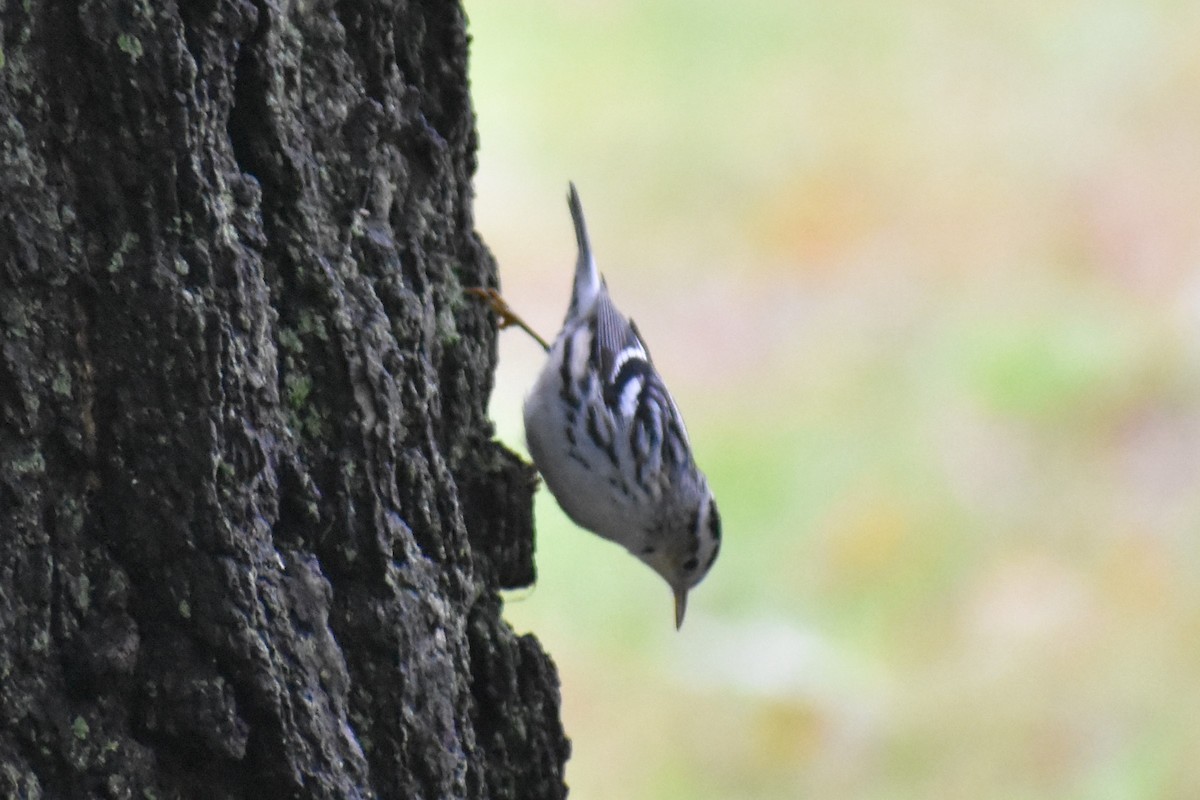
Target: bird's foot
508	318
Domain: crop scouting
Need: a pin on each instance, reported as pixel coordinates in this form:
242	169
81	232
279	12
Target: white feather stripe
626	355
581	348
627	402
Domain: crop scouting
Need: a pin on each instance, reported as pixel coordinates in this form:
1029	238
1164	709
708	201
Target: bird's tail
587	277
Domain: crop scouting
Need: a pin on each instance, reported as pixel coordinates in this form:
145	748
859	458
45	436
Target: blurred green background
925	280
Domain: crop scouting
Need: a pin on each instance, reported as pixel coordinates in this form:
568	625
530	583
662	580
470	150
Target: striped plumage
610	443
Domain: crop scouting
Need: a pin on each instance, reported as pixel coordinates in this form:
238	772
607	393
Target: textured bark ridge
252	519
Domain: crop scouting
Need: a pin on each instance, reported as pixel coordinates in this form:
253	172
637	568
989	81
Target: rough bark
252	519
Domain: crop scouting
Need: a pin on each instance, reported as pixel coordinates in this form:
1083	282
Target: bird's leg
506	315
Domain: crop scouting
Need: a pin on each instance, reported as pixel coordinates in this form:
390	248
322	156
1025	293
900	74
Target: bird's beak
680	607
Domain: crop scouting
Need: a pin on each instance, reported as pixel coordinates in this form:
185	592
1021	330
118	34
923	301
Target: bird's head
690	546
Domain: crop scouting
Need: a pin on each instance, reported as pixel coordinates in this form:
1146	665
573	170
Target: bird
607	436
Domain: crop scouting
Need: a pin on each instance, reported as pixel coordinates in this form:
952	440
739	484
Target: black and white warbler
608	439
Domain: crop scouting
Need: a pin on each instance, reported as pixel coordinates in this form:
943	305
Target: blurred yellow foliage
866	540
925	280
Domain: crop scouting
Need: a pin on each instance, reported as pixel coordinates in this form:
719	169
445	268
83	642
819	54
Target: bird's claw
506	316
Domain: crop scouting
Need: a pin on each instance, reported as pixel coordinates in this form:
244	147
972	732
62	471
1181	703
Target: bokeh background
925	280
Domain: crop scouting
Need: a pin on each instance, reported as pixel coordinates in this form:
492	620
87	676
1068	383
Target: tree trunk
252	520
